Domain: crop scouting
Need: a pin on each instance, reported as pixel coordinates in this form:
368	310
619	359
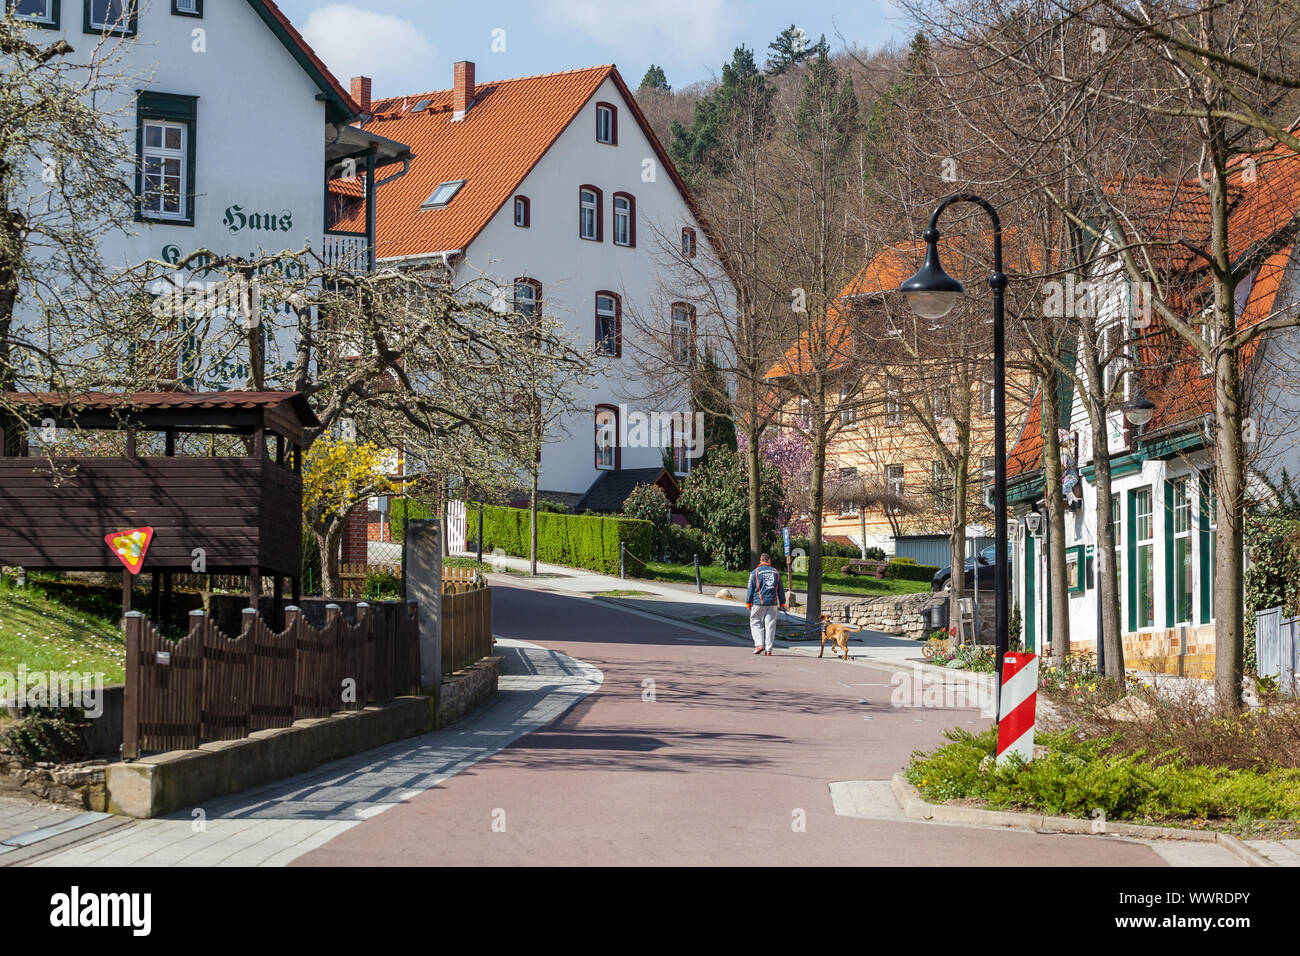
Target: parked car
984	560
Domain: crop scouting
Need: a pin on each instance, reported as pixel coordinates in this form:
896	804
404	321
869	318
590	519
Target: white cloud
692	28
356	42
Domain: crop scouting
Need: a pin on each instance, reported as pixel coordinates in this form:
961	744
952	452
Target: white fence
456	526
1277	647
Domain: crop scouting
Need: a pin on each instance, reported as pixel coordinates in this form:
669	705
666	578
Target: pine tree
743	99
790	48
654	79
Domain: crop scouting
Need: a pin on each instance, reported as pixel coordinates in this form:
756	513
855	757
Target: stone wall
903	614
80	785
466	689
907	615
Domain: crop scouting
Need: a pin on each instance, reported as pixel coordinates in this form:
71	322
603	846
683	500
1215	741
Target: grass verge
45	634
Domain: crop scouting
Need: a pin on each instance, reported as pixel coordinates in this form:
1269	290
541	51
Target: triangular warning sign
130	546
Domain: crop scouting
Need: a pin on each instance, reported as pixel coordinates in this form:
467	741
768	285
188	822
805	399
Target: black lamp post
932	293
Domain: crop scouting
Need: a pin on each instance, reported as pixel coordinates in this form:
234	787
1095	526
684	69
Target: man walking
764	596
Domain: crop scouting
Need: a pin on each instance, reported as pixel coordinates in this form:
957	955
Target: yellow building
909	408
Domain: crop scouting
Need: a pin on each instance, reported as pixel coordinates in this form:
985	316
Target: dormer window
688	242
443	194
522	212
606	124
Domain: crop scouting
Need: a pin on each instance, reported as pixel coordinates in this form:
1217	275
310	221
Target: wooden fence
466	618
209	686
352	577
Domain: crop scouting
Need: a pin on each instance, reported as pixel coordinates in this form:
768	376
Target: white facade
257	135
572	270
1162	485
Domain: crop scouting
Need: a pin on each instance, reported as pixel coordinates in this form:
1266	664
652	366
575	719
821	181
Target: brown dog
837	634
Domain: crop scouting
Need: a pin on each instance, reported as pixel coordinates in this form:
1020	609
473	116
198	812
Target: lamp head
1139	410
1032	522
931	293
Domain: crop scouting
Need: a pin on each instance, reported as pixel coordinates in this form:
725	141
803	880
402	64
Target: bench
875	569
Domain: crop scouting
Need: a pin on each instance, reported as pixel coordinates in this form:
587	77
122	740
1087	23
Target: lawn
47	635
832	580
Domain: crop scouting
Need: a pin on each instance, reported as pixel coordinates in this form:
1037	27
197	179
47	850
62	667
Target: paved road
729	763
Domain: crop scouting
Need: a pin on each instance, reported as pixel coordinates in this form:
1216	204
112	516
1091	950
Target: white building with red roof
556	189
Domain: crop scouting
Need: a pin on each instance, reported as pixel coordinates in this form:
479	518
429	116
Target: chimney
463	97
361	92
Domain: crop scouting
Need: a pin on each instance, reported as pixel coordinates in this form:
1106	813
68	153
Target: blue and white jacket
765	585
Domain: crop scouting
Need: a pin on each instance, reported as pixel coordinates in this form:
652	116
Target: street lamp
932	293
1139	410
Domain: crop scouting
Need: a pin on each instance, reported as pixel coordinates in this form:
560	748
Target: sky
409	46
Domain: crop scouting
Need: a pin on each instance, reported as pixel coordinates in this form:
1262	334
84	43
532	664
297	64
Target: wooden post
126	592
277	603
133	622
167	599
254	583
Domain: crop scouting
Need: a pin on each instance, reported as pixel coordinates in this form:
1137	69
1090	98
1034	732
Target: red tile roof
509	127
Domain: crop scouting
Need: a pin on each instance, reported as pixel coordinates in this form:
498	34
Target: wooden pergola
242	513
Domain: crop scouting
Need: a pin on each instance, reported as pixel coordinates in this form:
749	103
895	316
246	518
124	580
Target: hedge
575	541
906	569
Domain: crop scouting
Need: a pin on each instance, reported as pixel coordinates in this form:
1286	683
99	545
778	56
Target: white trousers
762	625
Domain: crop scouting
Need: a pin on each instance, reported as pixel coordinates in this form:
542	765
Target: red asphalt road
711	772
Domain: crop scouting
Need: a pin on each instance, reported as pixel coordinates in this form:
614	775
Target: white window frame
46	19
1147	541
622	221
123	24
522	206
895	483
529	300
605	124
606	429
589	214
681	332
1182	519
607	345
849	509
164	154
848	410
893	400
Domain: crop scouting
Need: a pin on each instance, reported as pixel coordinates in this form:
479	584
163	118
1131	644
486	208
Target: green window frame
1141	553
1208	523
1076	578
55	15
130	7
167	110
1178	552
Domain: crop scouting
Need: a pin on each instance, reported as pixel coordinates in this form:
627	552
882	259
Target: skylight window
423	105
443	194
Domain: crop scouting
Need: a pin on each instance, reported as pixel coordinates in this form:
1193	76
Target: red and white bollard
1016	713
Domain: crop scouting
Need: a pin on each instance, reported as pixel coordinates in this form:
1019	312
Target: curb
917	808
